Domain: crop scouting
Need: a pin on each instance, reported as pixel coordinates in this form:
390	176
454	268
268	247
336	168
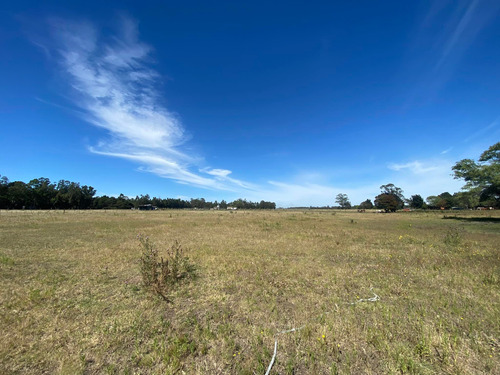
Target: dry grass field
72	300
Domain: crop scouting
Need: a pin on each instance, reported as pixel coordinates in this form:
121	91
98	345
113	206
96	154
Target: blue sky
292	102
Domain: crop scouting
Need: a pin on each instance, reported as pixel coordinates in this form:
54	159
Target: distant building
147	207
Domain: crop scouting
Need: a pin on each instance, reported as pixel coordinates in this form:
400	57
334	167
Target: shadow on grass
476	219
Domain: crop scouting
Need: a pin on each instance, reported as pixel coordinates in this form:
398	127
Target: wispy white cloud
459	32
446	151
457	23
106	77
415	167
222	175
217	172
425	177
483	131
115	86
309	193
446	33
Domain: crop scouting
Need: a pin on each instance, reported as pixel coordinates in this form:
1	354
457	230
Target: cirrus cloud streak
114	84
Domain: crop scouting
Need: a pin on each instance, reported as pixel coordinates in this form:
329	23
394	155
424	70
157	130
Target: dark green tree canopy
393	190
40	193
416	201
484	175
467	199
444	200
387	202
390	199
366	205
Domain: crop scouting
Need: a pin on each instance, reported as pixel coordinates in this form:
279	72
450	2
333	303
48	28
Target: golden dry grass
72	300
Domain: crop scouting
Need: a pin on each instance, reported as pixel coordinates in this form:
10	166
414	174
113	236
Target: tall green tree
433	201
467	199
444	200
343	201
447	201
483	175
416	201
43	192
390	199
393	190
19	195
387	202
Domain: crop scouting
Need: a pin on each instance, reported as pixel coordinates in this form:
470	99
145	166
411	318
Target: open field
72	300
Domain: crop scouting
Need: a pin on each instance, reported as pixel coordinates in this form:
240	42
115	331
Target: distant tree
393	190
4	190
157	202
343	201
43	192
248	205
433	201
19	195
416	201
62	197
467	199
390	199
366	205
239	203
223	204
483	176
123	202
72	195
387	202
87	196
142	200
444	201
101	202
447	201
263	205
199	203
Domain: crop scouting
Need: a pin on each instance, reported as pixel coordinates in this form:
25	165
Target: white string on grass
276	346
375	298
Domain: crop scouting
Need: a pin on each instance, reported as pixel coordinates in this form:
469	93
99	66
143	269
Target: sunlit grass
72	299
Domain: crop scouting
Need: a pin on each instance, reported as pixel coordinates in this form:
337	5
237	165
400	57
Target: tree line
391	199
482	188
41	193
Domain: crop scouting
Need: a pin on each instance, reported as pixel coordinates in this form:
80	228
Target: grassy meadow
72	300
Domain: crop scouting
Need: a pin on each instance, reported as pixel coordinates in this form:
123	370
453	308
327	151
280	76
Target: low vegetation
161	274
74	300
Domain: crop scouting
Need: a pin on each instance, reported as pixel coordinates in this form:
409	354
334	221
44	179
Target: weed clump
453	238
160	274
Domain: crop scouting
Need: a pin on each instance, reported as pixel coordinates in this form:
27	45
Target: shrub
453	238
161	274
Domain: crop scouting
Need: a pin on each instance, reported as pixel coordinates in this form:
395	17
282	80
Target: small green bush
161	274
